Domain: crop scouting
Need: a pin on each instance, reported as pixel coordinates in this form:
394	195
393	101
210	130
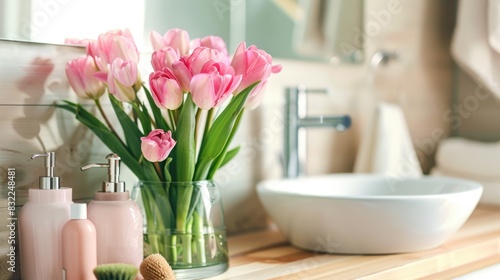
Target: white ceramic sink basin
369	214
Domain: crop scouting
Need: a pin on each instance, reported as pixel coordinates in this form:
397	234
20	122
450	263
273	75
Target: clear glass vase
184	222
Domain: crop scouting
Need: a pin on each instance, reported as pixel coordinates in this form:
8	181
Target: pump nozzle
113	184
48	181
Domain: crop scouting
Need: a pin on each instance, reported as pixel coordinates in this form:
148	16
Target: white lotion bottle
117	219
79	245
41	220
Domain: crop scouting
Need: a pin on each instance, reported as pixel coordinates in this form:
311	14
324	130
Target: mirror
319	30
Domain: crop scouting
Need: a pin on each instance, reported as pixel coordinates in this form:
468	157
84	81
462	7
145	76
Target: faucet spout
295	119
340	123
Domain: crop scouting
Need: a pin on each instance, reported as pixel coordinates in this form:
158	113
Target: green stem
171	118
198	235
197	123
158	170
103	114
187	255
208	122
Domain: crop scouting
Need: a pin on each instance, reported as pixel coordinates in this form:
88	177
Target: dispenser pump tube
49	181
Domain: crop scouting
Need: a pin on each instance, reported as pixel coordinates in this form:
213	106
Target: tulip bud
157	145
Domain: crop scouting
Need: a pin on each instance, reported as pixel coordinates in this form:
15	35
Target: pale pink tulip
214	42
77	42
112	45
211	88
165	89
157	145
121	78
175	38
200	56
183	74
254	65
187	66
81	76
164	58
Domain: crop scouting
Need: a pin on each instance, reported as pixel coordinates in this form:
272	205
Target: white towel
471	48
385	145
469	158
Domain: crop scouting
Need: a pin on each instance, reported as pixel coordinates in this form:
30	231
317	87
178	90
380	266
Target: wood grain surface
267	255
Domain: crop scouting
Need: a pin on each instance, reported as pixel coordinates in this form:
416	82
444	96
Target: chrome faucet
295	119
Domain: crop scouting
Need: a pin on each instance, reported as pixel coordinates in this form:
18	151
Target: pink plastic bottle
79	245
41	220
117	219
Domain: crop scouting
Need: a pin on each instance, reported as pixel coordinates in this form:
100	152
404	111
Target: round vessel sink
368	214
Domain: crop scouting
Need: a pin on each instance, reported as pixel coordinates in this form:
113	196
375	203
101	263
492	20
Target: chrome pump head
49	181
113	184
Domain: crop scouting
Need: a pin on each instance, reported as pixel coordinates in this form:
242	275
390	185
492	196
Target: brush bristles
155	267
115	271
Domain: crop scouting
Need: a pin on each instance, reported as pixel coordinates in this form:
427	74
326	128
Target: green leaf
220	132
143	117
158	117
229	155
130	129
107	137
185	149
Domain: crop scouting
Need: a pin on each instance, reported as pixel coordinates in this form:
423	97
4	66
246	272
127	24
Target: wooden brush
155	267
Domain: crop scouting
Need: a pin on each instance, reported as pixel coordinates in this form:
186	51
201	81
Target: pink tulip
187	66
112	45
157	145
81	76
212	87
165	89
212	42
175	38
121	78
183	74
254	65
164	58
77	42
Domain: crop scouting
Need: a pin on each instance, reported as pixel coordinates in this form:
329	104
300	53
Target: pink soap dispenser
79	245
117	219
41	220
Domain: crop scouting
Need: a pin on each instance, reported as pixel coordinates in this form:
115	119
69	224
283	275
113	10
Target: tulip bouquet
179	126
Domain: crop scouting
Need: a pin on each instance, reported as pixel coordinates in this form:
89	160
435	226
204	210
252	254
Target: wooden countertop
267	255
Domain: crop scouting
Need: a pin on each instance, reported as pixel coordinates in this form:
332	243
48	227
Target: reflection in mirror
330	29
321	30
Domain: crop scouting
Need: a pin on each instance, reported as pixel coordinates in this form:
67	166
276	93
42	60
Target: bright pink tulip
121	78
211	88
157	145
254	65
112	45
165	89
175	38
164	58
81	76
